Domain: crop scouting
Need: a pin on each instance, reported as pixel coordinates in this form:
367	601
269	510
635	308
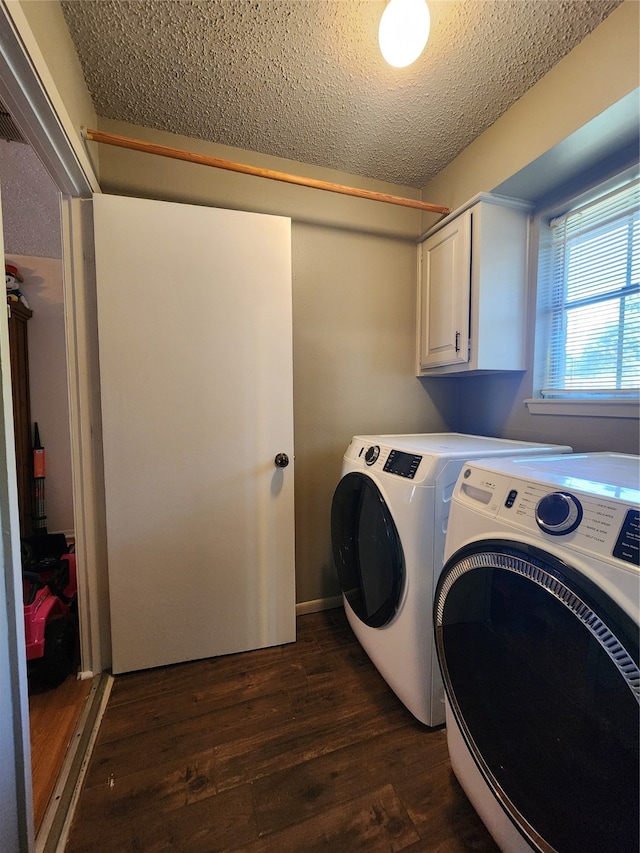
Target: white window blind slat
590	297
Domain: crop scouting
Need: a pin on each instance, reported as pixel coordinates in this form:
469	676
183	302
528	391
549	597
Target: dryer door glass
367	550
541	673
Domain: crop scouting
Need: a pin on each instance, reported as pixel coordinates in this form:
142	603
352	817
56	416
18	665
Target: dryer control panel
382	459
393	461
401	463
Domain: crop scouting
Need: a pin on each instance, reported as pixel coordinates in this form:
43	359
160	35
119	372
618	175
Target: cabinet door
443	297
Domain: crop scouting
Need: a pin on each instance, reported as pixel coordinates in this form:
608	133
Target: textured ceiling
304	80
30	204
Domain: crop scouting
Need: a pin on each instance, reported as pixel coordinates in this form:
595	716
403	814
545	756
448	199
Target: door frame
30	95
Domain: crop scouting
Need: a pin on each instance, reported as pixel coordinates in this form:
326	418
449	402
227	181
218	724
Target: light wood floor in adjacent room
296	748
53	715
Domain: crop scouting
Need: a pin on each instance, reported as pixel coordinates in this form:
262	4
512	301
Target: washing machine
536	618
388	524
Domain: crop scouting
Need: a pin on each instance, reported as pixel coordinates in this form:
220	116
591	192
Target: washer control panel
628	542
558	513
590	522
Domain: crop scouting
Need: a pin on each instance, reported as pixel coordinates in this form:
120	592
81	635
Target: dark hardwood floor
295	748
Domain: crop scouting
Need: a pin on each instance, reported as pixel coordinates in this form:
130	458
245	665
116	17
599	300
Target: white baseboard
318	604
85	675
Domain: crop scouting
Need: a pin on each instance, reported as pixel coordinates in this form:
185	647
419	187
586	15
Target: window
588	325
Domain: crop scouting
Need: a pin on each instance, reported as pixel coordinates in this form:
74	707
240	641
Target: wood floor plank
301	747
199	697
299	741
138	686
141	685
375	822
153	748
315	785
172	785
329	629
216	823
441	812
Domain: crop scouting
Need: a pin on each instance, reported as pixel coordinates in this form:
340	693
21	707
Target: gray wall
354	277
354	269
494	405
580	118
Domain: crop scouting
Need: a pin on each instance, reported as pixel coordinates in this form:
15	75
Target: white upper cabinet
472	275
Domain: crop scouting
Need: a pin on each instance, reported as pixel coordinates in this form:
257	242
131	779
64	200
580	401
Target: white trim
318	604
16	811
84	415
28	92
31	96
610	408
487	198
596	402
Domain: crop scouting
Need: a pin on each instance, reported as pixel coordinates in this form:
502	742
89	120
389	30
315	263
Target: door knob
281	460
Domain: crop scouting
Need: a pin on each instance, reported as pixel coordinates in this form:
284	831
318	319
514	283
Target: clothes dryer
388	523
536	621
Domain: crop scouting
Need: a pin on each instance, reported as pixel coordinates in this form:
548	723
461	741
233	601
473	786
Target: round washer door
366	549
540	667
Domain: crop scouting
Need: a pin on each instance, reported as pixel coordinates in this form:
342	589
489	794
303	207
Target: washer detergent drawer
367	550
541	672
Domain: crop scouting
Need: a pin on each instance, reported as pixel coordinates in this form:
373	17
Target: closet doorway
32	242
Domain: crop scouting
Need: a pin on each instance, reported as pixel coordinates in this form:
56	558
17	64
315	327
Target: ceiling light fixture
403	32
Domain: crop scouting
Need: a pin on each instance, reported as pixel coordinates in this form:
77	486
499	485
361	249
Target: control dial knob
372	454
558	513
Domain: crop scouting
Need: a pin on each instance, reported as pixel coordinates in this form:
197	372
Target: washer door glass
366	549
541	673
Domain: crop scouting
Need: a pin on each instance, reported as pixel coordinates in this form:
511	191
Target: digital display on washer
628	544
402	464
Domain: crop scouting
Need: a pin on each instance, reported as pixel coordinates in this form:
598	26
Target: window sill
585	407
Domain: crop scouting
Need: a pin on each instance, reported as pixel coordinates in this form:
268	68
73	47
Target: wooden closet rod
229	165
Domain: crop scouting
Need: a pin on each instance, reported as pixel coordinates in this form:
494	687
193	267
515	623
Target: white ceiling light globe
403	32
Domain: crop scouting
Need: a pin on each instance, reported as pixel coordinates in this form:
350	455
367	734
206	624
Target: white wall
48	382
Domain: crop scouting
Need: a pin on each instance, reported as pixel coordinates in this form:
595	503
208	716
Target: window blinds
591	292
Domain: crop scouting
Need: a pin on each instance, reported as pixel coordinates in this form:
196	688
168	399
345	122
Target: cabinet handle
457	341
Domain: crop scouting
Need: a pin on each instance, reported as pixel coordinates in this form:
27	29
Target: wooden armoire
19	316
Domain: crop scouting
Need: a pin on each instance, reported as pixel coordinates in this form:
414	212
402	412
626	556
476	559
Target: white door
194	323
